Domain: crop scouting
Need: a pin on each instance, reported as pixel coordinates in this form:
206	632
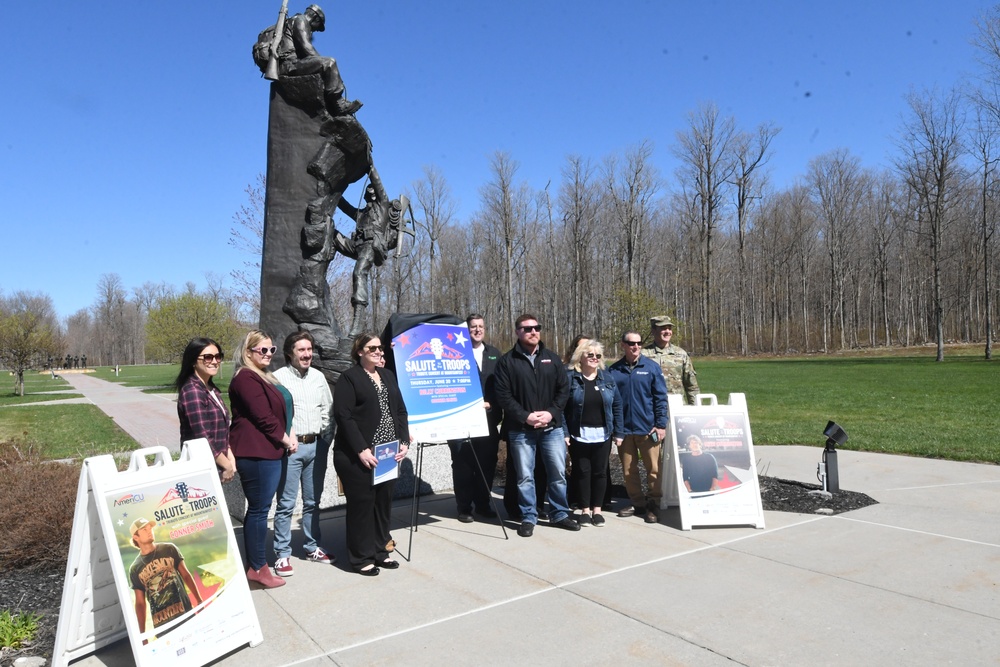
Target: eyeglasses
209	358
594	355
264	351
531	327
631	343
373	348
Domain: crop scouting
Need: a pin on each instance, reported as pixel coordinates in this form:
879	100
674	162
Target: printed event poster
174	549
439	380
716	473
386	467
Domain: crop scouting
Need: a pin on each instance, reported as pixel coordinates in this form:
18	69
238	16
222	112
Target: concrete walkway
914	580
151	419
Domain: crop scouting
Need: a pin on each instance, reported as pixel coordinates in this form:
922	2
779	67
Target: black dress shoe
526	529
370	572
466	517
390	564
567	522
486	512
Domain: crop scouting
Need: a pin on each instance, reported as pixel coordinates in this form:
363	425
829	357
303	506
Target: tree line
846	257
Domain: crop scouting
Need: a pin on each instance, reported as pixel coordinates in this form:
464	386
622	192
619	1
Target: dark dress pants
471	485
369	510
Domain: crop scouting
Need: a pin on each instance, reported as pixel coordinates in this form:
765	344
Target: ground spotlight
827	471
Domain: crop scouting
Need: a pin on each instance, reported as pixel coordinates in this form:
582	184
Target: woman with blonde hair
260	436
593	417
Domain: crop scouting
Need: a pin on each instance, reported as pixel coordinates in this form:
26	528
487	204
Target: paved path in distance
151	419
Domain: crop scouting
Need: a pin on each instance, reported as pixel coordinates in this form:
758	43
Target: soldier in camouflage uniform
674	361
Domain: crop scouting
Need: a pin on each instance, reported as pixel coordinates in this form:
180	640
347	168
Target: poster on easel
161	534
439	380
711	473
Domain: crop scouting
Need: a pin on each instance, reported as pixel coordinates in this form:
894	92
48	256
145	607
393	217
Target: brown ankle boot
265	577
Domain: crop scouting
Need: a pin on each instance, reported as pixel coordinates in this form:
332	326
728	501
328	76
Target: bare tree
631	183
931	146
504	216
838	186
247	236
578	202
437	210
749	154
110	319
707	165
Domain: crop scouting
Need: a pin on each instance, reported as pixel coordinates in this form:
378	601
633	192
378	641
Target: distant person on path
261	437
306	468
675	363
468	456
200	408
158	578
644	406
531	389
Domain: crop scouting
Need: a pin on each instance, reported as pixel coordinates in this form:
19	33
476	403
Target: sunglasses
373	348
209	358
264	351
594	355
632	343
531	328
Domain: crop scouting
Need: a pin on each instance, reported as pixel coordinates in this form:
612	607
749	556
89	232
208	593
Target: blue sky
130	130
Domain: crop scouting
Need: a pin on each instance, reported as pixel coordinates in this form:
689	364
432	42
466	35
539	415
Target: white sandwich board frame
183	500
719	486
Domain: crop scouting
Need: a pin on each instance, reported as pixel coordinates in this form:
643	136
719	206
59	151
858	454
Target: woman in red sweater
260	435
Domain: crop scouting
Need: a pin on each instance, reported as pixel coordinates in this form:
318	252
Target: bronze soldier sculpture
316	150
296	56
379	225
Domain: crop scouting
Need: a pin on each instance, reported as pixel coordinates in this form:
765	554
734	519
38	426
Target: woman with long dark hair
200	408
369	411
260	436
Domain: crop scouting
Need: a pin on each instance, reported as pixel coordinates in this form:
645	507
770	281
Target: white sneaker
283	567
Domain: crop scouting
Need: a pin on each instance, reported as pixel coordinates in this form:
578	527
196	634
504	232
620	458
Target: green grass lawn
158	378
64	431
886	403
899	405
34	384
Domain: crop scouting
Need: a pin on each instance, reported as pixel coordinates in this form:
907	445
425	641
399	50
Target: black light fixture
827	470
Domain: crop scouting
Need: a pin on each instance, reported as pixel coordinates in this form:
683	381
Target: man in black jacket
532	390
474	461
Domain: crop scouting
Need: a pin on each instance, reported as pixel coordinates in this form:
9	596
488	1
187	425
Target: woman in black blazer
369	411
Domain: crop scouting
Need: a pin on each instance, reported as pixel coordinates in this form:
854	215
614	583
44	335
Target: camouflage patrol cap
661	321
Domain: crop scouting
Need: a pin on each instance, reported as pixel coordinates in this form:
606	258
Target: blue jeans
553	451
259	478
306	468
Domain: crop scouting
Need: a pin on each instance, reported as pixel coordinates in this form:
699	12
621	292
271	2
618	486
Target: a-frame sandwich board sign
153	557
711	472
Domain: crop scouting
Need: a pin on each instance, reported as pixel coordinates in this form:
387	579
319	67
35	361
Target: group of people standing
283	423
543	407
278	438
